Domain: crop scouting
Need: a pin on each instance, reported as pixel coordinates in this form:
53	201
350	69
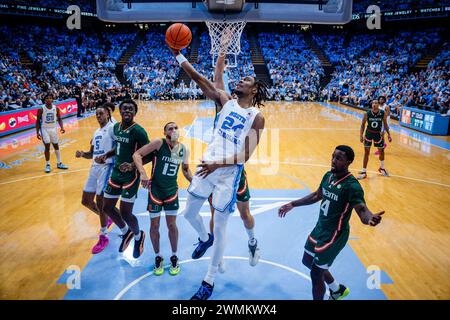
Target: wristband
180	58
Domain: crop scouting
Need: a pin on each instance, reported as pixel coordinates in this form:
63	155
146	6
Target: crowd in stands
294	69
384	68
61	59
153	69
365	67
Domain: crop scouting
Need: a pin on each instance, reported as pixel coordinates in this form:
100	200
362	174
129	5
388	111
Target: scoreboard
425	121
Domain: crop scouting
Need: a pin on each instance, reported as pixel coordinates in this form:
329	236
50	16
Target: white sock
157	254
104	231
211	275
363	170
192	214
218	248
334	286
137	237
251	234
47	163
58	156
382	164
124	230
174	253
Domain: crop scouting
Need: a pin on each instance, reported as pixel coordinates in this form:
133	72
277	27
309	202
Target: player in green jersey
339	193
375	119
124	180
168	154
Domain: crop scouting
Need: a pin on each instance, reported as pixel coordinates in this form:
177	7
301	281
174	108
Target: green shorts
325	251
243	192
159	199
377	139
123	185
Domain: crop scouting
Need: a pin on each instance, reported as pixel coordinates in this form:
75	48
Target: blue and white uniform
103	141
49	125
231	128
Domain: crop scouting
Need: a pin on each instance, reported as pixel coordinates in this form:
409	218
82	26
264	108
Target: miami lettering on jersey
329	195
172	160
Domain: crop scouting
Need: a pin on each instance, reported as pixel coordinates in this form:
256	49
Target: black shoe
204	292
340	294
202	247
174	266
158	269
126	238
139	246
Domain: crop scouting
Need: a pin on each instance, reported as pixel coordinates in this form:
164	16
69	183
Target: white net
225	40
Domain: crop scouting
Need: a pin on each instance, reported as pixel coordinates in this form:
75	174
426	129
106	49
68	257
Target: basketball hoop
225	40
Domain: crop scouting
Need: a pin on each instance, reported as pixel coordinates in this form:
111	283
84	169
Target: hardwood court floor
44	228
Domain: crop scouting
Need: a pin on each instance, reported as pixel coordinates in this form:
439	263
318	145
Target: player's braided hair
104	106
261	95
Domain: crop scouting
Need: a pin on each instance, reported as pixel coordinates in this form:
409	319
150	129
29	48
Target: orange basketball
178	36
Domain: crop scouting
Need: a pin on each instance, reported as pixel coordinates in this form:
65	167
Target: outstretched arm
309	199
218	73
366	216
205	85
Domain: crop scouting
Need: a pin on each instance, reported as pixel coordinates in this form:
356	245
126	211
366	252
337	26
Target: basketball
178	36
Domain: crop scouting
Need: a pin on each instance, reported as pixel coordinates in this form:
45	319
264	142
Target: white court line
282	162
133	283
375	172
43	175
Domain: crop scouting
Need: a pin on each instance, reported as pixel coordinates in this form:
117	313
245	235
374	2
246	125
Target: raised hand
376	219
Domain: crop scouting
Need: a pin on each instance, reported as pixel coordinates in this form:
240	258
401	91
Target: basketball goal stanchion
225	40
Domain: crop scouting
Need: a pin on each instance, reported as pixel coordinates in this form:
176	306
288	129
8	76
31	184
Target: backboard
147	11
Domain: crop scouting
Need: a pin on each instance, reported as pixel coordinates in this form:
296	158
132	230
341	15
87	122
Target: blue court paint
419	136
201	129
281	242
385	279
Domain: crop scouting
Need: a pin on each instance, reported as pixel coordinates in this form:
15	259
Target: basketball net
225	40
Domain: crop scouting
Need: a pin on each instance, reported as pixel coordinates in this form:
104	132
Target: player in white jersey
101	143
235	137
387	110
243	193
46	129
